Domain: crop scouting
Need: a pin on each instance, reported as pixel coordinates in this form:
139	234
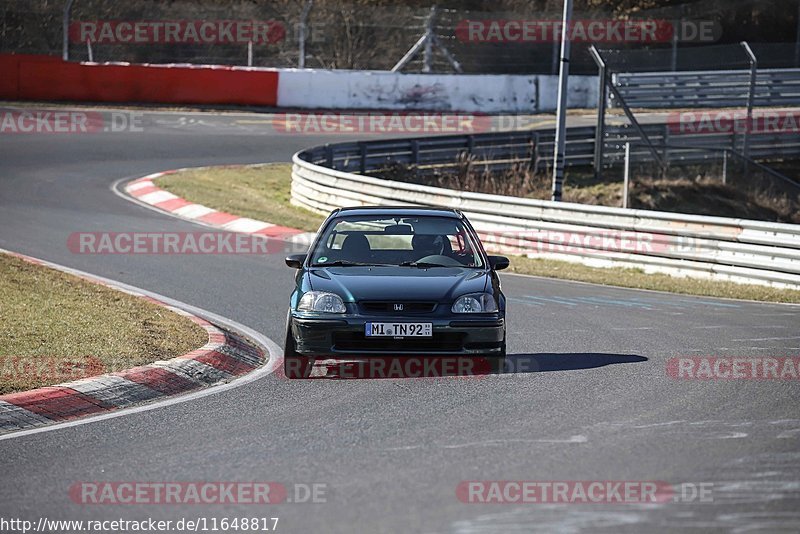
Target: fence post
559	155
89	52
627	174
301	35
677	25
65	29
797	40
427	58
250	53
750	97
725	167
599	133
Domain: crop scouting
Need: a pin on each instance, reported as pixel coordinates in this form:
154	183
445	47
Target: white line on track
275	358
766	338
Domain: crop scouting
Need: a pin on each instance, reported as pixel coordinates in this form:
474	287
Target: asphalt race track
592	399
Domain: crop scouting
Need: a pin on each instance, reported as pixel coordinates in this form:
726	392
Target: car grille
439	342
388	307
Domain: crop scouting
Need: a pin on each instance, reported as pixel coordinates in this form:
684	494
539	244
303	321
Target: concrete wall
309	88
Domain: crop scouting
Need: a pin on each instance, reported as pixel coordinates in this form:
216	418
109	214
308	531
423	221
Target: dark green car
395	281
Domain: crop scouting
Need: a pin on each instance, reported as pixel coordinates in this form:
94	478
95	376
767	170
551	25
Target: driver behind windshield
427	245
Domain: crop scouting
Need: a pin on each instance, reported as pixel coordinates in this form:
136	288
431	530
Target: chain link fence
481	36
717	179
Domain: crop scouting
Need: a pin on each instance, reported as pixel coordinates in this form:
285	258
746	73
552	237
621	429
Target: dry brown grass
57	328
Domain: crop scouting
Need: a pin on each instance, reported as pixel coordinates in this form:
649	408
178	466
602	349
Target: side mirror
498	263
296	261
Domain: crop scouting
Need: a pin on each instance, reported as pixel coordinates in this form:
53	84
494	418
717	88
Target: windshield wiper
344	263
421	264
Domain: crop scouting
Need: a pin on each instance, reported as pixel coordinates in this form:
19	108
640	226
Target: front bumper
344	336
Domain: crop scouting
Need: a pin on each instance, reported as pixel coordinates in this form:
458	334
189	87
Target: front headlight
475	303
321	301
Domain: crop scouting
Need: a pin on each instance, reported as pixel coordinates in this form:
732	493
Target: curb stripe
57	403
246	226
173	204
157	196
159	379
193	211
217	218
13	417
146	191
113	390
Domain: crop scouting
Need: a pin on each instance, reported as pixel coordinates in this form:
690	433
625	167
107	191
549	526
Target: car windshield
420	241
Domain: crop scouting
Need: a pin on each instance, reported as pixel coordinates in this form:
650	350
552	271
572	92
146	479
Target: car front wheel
295	365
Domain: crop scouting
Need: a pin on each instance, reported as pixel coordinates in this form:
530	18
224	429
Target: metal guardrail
728	88
323	178
498	151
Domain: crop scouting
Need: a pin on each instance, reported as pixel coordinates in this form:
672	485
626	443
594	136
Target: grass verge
638	279
263	193
57	328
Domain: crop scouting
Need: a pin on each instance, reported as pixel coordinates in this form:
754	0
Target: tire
295	365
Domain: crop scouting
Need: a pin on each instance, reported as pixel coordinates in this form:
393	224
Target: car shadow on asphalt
417	367
565	361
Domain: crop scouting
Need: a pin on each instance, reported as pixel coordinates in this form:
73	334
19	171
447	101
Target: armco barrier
26	77
727	88
683	245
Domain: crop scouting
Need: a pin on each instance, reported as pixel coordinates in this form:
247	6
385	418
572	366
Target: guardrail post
329	155
362	149
65	29
470	144
415	155
533	164
627	178
599	134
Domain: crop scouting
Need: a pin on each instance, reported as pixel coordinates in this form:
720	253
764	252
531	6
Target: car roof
399	211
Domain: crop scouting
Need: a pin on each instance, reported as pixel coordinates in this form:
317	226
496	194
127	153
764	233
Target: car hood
441	284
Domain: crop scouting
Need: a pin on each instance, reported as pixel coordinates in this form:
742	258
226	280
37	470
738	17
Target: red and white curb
144	190
225	356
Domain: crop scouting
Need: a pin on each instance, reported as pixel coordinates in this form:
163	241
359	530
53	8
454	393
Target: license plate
398	329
